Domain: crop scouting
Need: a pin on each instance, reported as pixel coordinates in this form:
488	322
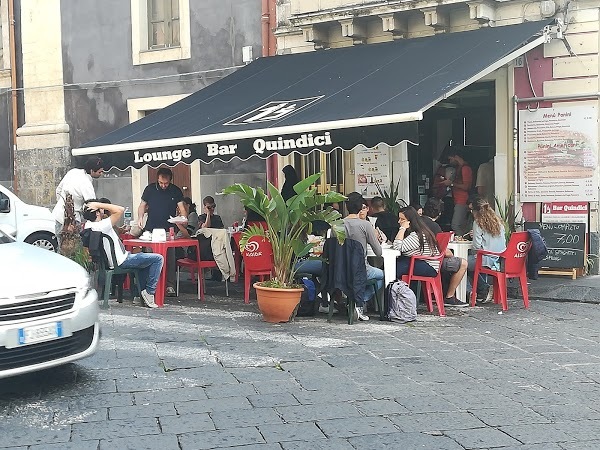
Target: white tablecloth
389	256
461	249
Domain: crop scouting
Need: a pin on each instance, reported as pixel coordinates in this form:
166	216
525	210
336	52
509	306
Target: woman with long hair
488	234
415	238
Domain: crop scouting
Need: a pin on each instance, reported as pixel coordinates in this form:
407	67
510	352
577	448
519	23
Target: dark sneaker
453	301
489	296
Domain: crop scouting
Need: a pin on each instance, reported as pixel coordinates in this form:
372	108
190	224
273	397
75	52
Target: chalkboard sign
565	242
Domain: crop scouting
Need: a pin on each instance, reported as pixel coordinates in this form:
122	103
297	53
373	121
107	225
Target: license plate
40	333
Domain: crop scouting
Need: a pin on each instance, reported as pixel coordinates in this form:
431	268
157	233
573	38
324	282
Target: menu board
565	243
558	150
372	168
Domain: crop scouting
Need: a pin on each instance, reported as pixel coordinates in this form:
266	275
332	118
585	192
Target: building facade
86	68
484	118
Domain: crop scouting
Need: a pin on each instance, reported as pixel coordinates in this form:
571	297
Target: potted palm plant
288	223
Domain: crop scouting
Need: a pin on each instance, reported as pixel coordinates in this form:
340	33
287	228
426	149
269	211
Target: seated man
387	222
149	264
360	229
452	266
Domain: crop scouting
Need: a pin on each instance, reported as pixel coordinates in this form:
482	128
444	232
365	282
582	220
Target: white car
32	224
48	311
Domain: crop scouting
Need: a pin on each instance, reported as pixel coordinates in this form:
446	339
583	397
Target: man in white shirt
150	264
78	183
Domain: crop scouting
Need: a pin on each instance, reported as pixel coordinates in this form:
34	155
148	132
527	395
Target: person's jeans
373	273
149	264
482	282
459	219
311	266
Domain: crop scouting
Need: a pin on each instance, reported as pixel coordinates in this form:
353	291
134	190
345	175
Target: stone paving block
508	416
111	374
404	441
581	430
291	432
148	384
236	418
356	426
428	403
380	407
272	400
481	438
162	441
319	444
149	410
79	445
205	376
255	447
169	395
537	433
277	386
310	413
114	429
563	413
230	390
83	415
221	438
589	445
215	404
337	393
13	436
186	423
535	397
251	374
435	421
101	401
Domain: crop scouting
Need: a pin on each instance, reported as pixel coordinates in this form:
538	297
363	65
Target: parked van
33	224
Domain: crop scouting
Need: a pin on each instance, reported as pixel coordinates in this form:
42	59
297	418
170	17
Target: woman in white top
415	238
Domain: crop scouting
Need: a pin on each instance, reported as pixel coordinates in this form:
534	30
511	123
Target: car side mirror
4	205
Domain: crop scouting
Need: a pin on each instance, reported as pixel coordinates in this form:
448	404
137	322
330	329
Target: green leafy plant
506	210
288	223
390	197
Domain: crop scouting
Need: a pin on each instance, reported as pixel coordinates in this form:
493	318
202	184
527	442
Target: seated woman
415	238
488	234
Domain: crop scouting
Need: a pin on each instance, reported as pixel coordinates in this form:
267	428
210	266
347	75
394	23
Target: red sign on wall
567	212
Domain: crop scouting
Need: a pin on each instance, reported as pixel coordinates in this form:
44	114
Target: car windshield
5	238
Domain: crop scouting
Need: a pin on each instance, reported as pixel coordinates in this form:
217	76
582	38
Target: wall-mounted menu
558	150
372	168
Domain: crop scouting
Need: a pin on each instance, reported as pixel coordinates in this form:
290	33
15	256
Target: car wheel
44	240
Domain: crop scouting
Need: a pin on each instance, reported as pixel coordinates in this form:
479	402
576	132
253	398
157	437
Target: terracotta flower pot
277	305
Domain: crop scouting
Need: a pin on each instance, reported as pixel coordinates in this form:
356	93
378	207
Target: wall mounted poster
558	150
372	167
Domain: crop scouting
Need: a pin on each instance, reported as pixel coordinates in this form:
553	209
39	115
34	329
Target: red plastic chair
512	266
431	284
258	261
197	266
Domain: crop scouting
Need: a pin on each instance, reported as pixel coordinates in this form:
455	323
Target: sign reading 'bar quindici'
259	145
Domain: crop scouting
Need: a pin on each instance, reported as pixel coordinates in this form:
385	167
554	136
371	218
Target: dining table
161	248
461	250
389	256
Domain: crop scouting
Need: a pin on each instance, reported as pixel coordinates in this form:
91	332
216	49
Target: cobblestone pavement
213	375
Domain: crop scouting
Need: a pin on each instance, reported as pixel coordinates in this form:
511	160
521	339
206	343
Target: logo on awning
274	111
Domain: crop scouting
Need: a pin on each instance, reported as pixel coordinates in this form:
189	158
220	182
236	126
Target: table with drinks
161	246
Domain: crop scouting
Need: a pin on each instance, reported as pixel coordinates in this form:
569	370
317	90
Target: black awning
320	100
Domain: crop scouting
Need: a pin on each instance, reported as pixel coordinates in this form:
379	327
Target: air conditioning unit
547	8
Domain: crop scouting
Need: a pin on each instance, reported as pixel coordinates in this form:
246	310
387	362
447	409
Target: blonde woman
488	234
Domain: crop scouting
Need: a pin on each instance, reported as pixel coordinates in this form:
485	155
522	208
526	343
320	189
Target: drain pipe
267	44
13	88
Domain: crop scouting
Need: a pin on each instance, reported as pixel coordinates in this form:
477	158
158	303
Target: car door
8	214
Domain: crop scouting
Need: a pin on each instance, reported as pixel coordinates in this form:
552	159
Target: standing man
161	200
461	185
150	264
78	183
